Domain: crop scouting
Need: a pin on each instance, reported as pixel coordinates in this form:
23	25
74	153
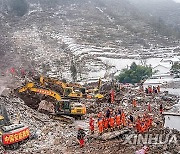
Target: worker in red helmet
80	136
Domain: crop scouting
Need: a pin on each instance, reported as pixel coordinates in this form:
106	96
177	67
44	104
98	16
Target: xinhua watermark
151	139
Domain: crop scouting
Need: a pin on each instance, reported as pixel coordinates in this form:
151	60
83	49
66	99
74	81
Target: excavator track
63	118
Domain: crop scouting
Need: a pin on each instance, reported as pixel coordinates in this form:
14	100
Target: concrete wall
172	121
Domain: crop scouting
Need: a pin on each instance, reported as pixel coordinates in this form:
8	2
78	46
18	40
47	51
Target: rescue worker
99	115
100	126
118	120
138	124
146	90
103	119
91	125
80	136
123	119
106	124
107	113
130	120
111	122
149	108
150	90
153	89
134	103
144	126
158	89
148	122
161	108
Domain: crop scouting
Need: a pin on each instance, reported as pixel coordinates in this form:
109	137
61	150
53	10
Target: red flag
12	70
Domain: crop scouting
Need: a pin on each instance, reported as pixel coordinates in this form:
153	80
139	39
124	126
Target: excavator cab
69	92
78	109
68	107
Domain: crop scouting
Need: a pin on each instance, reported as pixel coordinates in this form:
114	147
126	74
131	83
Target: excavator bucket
28	85
99	96
42	80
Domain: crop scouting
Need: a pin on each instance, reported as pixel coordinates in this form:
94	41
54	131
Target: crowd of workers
112	120
152	89
115	119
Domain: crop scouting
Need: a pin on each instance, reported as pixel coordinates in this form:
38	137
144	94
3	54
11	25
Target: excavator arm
43	80
69	89
30	86
47	92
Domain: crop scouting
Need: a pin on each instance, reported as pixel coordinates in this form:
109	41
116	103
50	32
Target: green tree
135	74
175	68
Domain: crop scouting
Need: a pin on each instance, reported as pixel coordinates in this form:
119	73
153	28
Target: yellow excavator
60	108
30	86
66	89
96	91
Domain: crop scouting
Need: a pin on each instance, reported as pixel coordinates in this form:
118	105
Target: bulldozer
61	109
12	135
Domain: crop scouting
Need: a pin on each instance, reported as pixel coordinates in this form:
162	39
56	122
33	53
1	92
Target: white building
172	118
171	61
161	69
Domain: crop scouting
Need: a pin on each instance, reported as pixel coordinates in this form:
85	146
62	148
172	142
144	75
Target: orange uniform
118	120
143	128
138	126
106	123
100	125
149	122
123	119
111	122
149	90
91	125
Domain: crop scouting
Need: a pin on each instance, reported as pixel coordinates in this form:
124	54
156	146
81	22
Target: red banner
15	137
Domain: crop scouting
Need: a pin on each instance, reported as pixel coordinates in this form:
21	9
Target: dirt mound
33	99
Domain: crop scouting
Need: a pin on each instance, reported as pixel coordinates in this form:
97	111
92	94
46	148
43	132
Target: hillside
167	10
53	34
